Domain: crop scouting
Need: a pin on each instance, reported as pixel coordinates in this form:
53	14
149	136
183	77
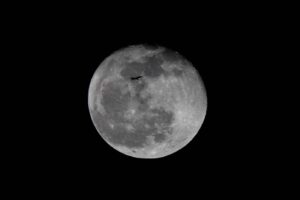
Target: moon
183	94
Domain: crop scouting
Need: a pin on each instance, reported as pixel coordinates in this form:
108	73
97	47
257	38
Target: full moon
147	102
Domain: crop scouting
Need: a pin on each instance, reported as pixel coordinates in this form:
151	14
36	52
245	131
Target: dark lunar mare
174	58
151	67
115	105
171	56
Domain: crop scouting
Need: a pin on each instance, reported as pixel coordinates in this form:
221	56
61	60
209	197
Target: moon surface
185	95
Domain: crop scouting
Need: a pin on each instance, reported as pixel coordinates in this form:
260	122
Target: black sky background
65	49
216	49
